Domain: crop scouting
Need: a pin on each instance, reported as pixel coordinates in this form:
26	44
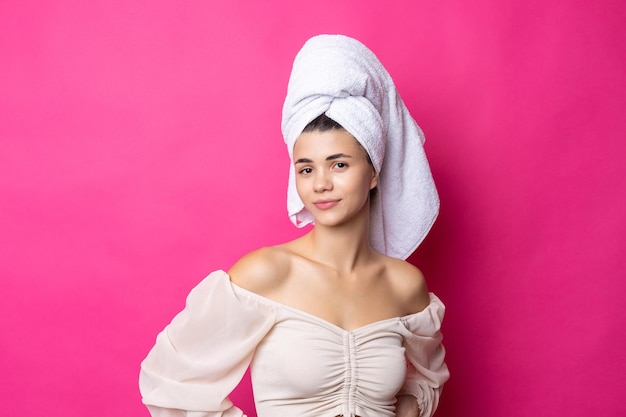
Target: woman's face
333	176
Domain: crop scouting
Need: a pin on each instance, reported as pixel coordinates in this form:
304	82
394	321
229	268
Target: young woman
334	323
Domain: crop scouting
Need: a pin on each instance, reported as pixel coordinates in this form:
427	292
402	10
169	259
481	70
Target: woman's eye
341	165
306	171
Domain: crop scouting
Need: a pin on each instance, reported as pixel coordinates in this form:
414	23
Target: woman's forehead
322	142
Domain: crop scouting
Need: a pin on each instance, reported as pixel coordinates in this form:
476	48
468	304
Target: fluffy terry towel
340	77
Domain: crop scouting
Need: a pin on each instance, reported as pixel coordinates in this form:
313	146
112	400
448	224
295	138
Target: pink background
141	149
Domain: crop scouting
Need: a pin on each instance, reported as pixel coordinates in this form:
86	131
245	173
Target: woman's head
340	77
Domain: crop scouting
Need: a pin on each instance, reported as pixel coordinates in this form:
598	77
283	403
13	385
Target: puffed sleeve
427	370
201	356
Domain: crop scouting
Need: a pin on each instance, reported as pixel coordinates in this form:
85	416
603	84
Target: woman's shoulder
408	284
261	271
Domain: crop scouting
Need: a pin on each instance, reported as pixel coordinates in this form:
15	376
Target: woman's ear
374	180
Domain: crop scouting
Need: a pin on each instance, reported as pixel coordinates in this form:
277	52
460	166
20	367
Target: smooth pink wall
140	149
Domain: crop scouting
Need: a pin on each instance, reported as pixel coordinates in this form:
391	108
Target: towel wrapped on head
340	77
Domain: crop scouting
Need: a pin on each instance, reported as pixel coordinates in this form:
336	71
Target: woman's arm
201	356
406	406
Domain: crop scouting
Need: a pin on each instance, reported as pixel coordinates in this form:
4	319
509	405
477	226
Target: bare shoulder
261	271
409	285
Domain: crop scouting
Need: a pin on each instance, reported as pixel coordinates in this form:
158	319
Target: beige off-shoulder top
301	365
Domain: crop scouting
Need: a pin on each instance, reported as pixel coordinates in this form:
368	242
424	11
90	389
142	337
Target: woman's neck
343	247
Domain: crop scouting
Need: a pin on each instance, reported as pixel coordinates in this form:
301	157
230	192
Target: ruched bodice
327	370
301	365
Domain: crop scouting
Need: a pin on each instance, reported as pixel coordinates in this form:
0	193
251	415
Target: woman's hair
323	123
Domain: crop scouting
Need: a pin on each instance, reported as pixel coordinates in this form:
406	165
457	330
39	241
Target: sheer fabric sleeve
201	356
427	370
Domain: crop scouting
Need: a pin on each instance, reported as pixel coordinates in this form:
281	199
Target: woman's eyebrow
338	156
329	158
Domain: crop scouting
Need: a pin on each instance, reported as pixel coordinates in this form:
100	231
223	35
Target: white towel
340	77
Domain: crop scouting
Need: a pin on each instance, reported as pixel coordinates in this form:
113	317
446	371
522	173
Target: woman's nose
322	182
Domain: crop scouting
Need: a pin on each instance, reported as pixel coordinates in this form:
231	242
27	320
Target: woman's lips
325	204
